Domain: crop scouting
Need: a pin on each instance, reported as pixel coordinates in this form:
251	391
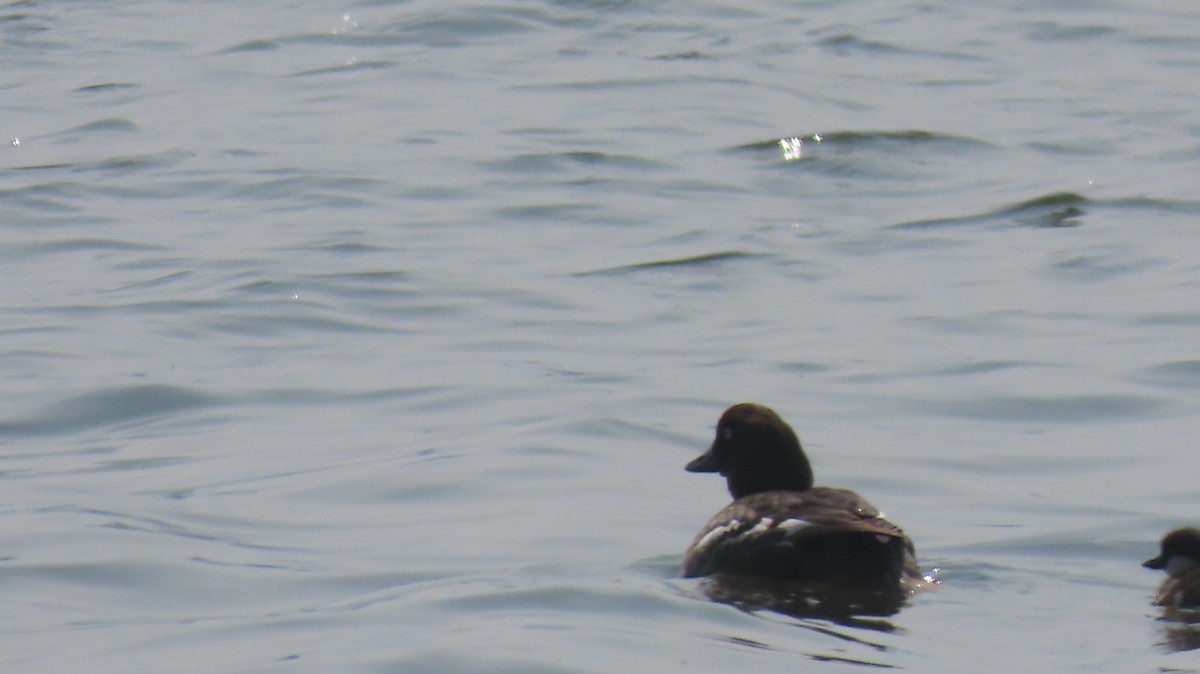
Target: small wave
848	44
29	250
1051	409
106	86
251	46
347	66
1053	211
557	162
1180	373
110	407
1048	32
118	164
452	28
693	261
1056	210
109	125
906	156
912	138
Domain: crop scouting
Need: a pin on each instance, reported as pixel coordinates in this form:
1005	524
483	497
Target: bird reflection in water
852	607
1180	629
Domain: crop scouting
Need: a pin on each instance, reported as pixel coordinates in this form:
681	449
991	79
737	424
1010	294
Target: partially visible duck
780	526
1180	558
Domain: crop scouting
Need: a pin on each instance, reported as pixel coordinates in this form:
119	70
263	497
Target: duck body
1180	558
821	534
779	526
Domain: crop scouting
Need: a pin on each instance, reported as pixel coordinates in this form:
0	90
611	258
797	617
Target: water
374	338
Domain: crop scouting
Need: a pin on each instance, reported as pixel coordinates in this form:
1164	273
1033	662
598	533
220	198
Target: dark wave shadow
1179	373
1057	210
106	87
106	408
849	44
703	260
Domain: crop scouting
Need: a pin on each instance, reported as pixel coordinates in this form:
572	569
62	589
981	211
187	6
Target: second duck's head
1180	553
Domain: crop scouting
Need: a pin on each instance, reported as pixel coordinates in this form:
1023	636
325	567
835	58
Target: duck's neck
1179	566
785	471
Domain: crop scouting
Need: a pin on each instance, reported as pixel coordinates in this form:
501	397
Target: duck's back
820	534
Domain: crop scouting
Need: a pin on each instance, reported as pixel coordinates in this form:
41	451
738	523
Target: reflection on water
806	599
1180	629
848	616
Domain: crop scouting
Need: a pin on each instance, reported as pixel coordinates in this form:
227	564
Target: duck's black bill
705	463
1156	563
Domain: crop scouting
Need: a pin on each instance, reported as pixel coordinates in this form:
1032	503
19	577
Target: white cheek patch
716	533
1179	566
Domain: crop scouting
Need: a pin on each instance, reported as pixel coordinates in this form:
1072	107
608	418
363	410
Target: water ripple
703	260
110	125
106	87
1180	373
1060	209
110	407
1052	409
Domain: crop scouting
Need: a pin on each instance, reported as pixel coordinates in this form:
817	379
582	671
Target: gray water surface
374	338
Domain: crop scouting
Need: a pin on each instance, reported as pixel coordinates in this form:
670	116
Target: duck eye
727	433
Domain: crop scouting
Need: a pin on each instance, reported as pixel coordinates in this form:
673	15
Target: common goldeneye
780	526
1180	558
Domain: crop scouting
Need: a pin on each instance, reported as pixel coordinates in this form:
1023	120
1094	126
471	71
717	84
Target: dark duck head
756	451
1179	554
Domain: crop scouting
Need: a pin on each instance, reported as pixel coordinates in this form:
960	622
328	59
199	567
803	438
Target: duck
781	527
1179	556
